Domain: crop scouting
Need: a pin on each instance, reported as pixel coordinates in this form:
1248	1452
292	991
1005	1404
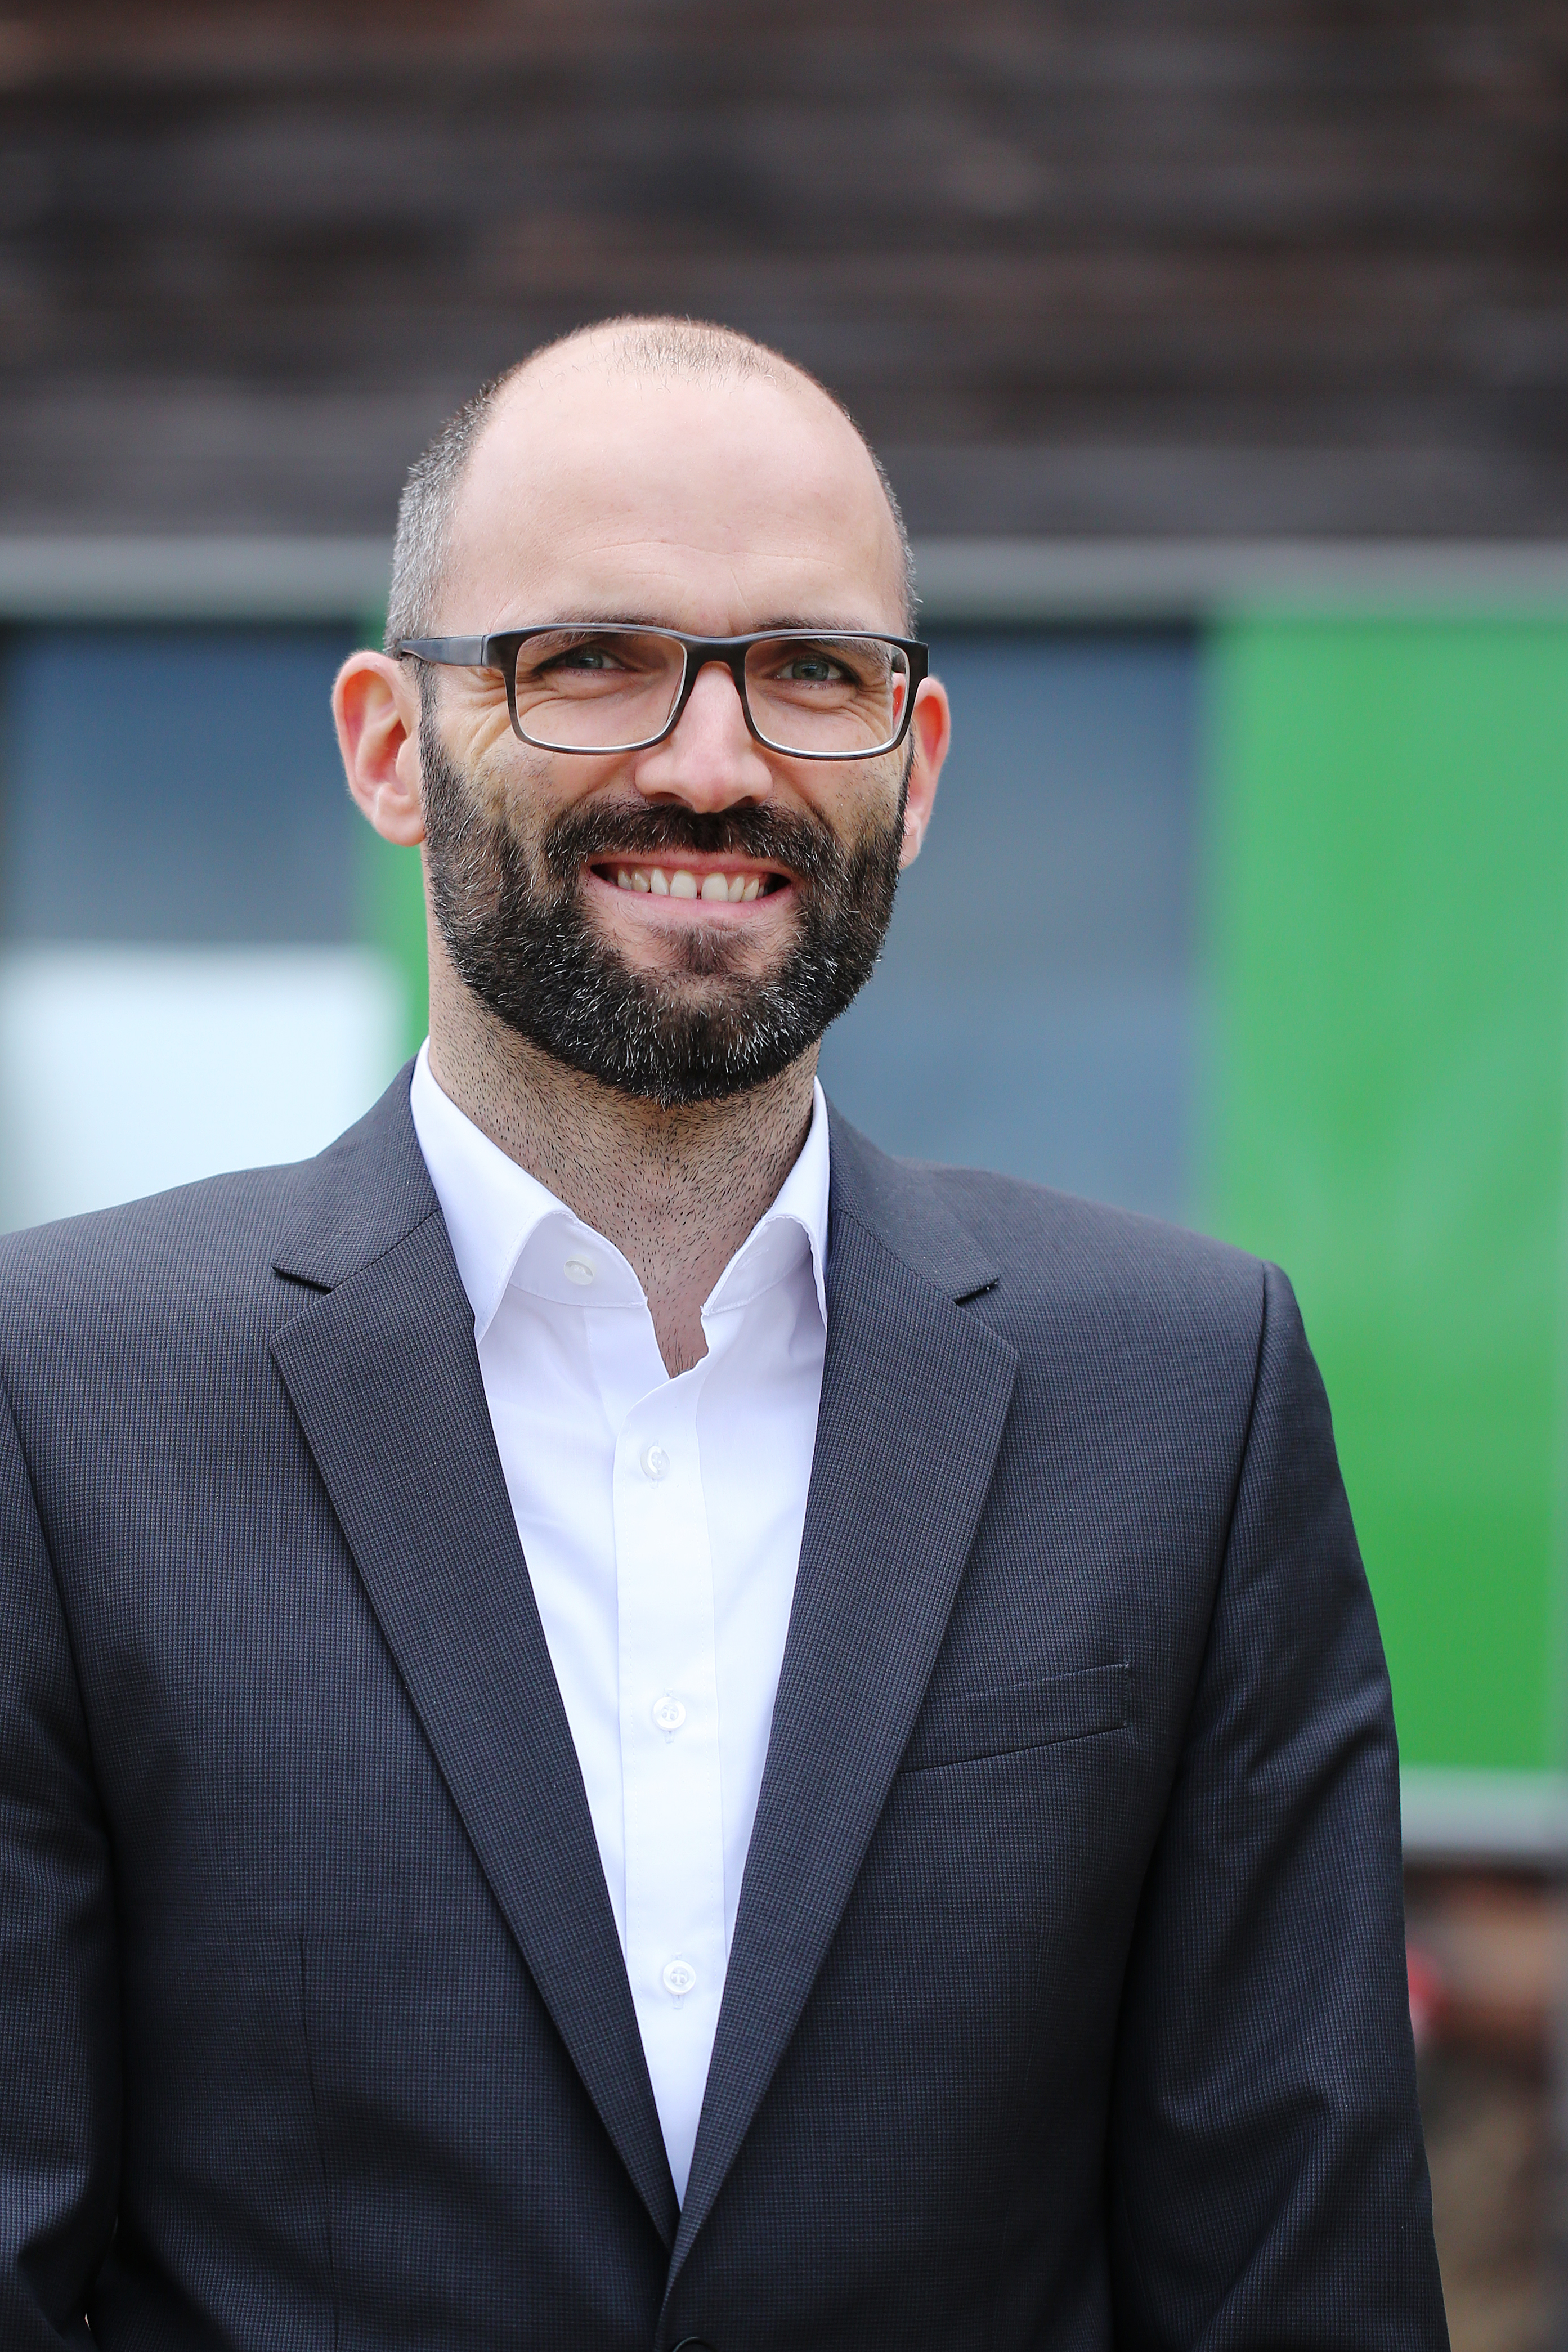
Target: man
626	1723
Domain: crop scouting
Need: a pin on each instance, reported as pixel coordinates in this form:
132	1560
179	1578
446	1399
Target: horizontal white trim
1020	581
1454	1816
1001	582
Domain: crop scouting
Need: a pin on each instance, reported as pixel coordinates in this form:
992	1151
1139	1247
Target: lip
644	906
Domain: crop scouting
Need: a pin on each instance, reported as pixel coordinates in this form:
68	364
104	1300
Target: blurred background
1219	352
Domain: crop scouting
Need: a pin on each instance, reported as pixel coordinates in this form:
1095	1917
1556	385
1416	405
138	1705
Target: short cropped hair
661	347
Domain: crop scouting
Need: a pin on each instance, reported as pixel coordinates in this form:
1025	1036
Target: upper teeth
679	882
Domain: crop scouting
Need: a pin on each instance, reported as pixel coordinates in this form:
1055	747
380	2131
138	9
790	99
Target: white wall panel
125	1070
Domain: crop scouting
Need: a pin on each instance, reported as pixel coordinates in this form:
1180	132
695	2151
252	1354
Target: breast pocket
1039	1714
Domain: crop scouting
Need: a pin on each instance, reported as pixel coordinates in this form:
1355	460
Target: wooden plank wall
1096	267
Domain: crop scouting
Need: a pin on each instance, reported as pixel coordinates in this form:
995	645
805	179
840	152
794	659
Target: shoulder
168	1259
1141	1349
1046	1239
205	1260
1069	1282
1035	1242
1073	1271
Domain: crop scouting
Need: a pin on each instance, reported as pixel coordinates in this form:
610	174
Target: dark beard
518	935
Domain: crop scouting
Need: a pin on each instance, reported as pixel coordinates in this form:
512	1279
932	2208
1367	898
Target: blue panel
174	786
1036	1009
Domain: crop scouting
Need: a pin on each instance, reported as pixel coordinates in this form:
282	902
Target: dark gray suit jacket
1067	2001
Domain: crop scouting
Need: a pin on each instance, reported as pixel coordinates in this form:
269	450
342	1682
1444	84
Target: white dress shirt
661	1523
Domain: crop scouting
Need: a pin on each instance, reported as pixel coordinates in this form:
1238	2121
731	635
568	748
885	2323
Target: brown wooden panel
1229	265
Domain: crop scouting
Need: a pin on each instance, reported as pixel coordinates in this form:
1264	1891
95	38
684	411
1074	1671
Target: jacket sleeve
1267	2180
59	2097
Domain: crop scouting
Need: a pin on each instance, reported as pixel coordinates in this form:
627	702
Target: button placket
669	1742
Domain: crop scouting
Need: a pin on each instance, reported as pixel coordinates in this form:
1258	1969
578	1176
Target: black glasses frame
500	650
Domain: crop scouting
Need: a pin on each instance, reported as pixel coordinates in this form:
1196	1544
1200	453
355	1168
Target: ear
375	702
932	727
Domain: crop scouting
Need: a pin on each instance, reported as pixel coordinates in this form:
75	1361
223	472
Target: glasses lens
835	698
595	689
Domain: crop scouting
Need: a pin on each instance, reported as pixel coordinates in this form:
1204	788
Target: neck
676	1190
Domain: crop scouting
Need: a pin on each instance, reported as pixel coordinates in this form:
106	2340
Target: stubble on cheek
507	806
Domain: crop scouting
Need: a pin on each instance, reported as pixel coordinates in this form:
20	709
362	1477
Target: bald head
633	430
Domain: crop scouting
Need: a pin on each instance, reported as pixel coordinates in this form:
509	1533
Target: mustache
591	836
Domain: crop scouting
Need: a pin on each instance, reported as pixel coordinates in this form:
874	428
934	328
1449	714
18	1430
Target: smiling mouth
716	886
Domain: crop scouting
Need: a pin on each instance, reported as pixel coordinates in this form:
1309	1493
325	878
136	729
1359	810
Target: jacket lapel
915	1392
383	1374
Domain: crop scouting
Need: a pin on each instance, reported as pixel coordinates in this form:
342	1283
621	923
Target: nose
711	760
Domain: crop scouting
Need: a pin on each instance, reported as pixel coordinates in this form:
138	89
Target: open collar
507	1227
369	1190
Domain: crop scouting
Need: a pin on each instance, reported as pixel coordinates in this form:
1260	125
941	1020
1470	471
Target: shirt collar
793	1226
506	1226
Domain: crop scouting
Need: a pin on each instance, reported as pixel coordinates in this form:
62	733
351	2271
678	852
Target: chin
698	956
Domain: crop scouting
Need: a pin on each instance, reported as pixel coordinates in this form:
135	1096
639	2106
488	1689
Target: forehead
717	505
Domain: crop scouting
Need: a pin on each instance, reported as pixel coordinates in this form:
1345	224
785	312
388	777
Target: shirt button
581	1271
655	1462
669	1713
679	1977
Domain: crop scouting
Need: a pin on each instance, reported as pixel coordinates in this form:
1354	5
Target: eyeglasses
812	694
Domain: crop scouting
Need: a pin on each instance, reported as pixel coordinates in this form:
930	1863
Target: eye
595	657
811	670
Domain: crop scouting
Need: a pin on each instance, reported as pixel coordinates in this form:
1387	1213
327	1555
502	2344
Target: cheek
858	803
470	721
516	788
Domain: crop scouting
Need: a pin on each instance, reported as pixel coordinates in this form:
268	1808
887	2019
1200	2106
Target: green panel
391	918
1390	936
392	900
